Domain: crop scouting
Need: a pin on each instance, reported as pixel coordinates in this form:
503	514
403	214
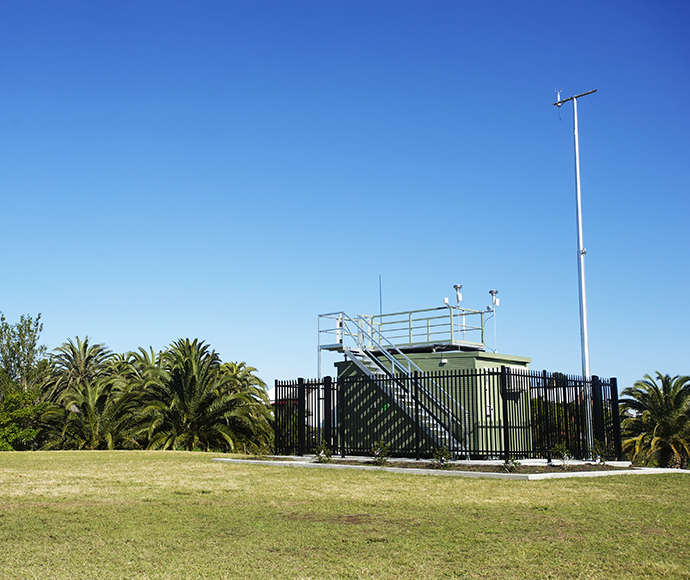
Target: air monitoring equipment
458	294
494	300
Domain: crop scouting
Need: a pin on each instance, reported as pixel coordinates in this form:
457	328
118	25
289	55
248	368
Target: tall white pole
584	337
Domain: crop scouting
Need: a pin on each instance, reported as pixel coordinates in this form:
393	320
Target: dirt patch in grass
354	519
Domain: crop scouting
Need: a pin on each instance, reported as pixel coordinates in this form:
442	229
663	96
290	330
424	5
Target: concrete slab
304	462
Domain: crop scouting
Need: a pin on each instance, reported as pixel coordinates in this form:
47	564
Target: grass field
106	515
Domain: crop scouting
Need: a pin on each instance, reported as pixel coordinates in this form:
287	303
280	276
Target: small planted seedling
381	453
442	457
323	453
561	452
511	464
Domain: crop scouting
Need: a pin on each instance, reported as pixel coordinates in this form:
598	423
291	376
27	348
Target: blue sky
230	170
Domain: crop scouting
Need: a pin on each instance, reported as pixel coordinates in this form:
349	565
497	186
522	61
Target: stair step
403	397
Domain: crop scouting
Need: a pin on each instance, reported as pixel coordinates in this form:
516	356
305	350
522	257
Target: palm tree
656	424
251	420
100	414
93	401
195	402
74	364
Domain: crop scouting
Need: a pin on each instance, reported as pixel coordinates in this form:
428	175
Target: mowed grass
105	515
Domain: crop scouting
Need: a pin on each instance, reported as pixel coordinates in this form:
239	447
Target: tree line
84	396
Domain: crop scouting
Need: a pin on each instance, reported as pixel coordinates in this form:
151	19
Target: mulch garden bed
489	468
460	466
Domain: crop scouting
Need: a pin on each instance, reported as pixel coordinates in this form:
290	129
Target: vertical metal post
598	411
581	253
452	323
301	426
583	292
318	367
581	272
547	422
504	400
340	415
616	419
416	414
318	413
380	297
279	429
483	340
565	425
327	413
494	305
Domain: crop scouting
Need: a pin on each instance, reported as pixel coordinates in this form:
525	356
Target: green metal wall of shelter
369	414
429	361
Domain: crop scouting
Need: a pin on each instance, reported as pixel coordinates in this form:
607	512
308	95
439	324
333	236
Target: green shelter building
394	381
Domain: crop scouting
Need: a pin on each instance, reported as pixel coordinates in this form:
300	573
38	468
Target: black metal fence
476	413
305	414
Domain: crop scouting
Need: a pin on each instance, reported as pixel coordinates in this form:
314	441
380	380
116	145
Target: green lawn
105	515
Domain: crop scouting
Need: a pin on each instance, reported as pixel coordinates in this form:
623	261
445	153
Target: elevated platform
446	328
437	347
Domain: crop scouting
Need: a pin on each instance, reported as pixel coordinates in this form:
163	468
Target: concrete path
308	462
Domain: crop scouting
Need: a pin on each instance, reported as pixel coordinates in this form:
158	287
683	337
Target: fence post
547	422
340	416
598	411
327	412
416	414
616	420
301	425
504	400
565	423
277	429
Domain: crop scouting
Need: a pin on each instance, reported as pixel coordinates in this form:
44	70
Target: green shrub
511	464
323	453
562	452
381	453
442	457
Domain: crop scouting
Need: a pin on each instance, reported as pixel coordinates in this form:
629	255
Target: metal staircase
393	372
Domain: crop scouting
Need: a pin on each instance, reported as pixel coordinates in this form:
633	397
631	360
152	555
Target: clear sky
230	170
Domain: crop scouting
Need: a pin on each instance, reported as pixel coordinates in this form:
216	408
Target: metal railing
450	325
509	413
442	325
427	395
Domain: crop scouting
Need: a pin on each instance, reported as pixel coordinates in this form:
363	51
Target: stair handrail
396	364
373	342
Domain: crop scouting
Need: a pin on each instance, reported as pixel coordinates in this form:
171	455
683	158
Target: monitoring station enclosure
423	379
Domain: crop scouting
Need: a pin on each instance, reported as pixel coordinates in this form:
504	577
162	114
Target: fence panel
299	416
475	413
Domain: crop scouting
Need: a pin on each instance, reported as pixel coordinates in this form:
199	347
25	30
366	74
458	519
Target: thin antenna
458	298
494	304
380	298
558	93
